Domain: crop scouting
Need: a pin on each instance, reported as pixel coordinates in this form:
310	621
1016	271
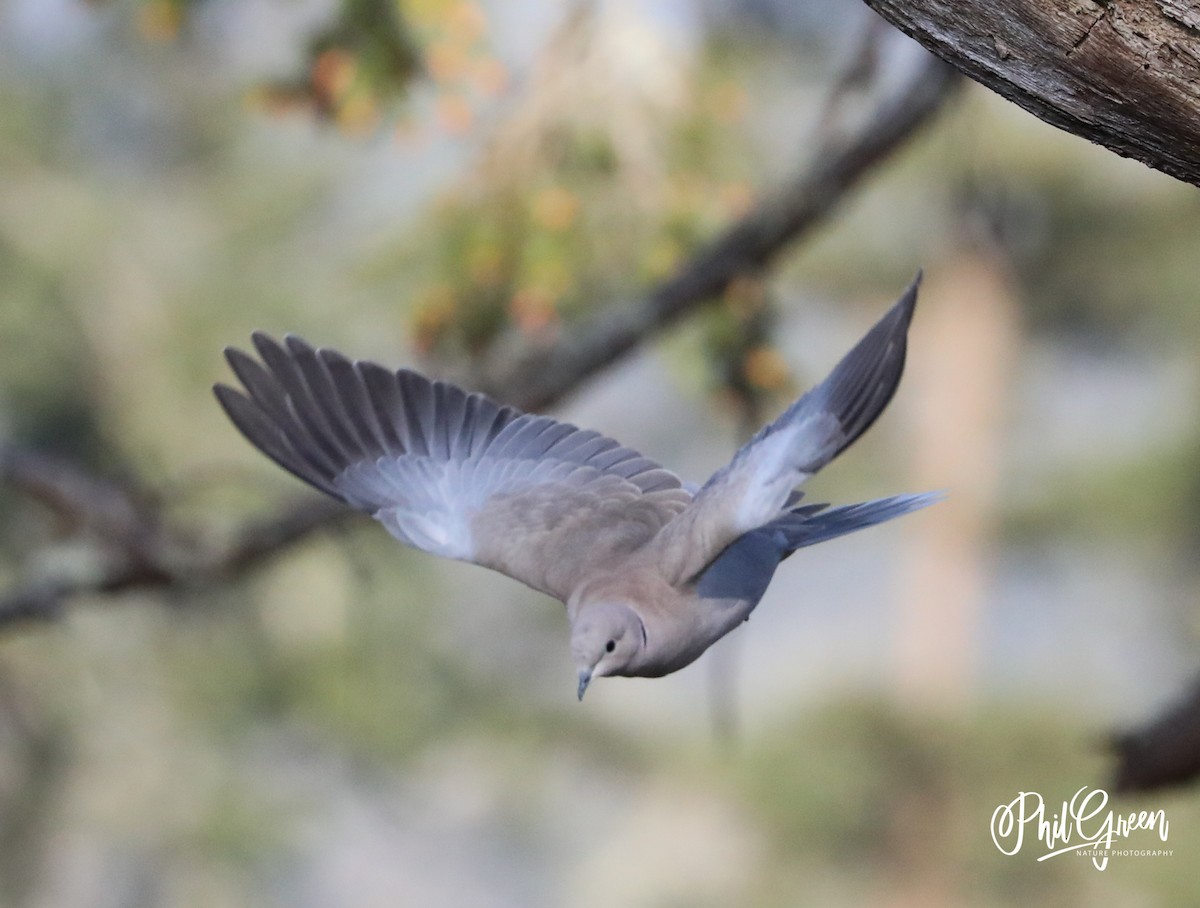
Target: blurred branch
136	548
1163	752
744	250
139	549
1124	74
82	501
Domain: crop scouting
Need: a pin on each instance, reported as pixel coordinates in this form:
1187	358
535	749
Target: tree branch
134	546
744	250
1124	74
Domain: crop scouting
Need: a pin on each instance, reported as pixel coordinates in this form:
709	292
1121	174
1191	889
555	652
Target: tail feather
804	527
743	570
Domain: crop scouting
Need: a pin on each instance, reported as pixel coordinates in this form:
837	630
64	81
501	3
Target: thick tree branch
1122	73
138	549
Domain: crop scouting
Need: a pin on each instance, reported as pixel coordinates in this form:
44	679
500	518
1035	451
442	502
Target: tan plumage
652	572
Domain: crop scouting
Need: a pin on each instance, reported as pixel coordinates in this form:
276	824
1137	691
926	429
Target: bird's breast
678	636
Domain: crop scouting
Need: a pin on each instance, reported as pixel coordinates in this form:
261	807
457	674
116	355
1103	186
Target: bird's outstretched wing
756	486
452	473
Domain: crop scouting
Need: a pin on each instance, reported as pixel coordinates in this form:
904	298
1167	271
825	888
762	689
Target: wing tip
260	338
223	392
237	358
298	346
267	347
902	311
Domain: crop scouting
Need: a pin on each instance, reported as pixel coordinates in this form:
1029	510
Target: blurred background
464	186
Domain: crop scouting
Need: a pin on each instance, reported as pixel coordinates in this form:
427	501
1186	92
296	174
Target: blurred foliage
182	750
1157	492
590	192
738	345
359	68
863	800
361	62
365	63
52	375
594	189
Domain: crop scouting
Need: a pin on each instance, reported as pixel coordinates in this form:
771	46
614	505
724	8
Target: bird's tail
812	524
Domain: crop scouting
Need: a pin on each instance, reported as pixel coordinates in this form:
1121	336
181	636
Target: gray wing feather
272	440
309	420
756	486
450	472
352	393
316	378
743	571
855	393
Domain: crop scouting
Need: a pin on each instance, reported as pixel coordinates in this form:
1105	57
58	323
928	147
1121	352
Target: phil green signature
1083	824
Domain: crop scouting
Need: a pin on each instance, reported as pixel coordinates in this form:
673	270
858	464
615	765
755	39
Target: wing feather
757	485
383	396
453	473
346	430
352	392
308	416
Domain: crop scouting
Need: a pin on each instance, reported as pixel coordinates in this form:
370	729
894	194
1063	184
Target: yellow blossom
765	368
555	208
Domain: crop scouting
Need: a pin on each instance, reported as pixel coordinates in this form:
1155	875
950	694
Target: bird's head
606	637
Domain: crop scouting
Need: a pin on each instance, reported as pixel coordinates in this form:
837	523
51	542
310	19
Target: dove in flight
652	570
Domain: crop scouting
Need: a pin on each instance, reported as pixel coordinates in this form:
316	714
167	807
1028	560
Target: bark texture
1122	73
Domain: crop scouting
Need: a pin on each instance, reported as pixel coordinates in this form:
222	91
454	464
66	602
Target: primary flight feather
652	573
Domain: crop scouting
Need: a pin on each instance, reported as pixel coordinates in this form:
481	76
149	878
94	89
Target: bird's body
652	571
679	625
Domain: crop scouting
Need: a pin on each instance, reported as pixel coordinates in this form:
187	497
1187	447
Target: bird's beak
585	678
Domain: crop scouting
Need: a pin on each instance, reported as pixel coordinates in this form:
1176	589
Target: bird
652	570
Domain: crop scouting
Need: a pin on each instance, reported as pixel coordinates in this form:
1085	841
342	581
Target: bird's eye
610	646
